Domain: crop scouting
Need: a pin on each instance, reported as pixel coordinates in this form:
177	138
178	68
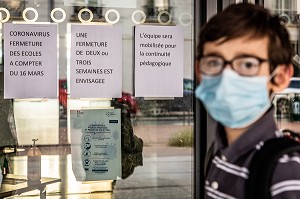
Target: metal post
51	6
200	13
219	5
260	2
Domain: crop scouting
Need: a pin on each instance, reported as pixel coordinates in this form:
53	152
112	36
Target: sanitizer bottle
34	163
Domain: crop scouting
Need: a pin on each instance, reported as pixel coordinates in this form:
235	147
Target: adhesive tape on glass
142	13
159	18
181	21
36	14
85	10
58	10
114	11
7	15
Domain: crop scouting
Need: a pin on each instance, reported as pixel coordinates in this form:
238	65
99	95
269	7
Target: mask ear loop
271	79
272	75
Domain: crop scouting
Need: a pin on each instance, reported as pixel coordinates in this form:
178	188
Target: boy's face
257	47
222	95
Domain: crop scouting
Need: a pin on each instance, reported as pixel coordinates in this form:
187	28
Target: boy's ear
282	78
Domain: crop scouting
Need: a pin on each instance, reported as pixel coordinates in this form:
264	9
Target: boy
244	57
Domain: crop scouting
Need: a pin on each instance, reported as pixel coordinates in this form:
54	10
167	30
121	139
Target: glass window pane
157	133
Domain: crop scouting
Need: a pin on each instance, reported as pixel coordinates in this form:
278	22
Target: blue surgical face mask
233	100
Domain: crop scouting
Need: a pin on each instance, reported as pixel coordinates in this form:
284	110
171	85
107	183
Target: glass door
152	154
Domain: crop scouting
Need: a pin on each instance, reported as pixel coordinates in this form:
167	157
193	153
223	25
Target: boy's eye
248	64
214	62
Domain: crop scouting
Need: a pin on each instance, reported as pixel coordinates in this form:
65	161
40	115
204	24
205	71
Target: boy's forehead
241	45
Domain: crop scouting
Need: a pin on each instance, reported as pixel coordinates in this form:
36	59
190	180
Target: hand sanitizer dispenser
34	163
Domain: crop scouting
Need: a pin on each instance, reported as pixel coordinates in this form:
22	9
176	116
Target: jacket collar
260	131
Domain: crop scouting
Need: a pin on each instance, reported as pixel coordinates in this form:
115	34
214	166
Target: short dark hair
246	19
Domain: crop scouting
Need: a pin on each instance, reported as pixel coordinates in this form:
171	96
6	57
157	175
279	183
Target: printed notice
96	144
30	61
158	61
96	61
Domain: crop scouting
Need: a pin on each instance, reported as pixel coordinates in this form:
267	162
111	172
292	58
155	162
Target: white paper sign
96	144
30	61
158	61
96	61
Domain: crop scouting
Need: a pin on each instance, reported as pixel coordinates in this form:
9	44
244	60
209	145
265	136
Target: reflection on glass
287	101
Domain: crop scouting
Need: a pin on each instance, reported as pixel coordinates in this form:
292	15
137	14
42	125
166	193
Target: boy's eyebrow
249	55
236	56
213	54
